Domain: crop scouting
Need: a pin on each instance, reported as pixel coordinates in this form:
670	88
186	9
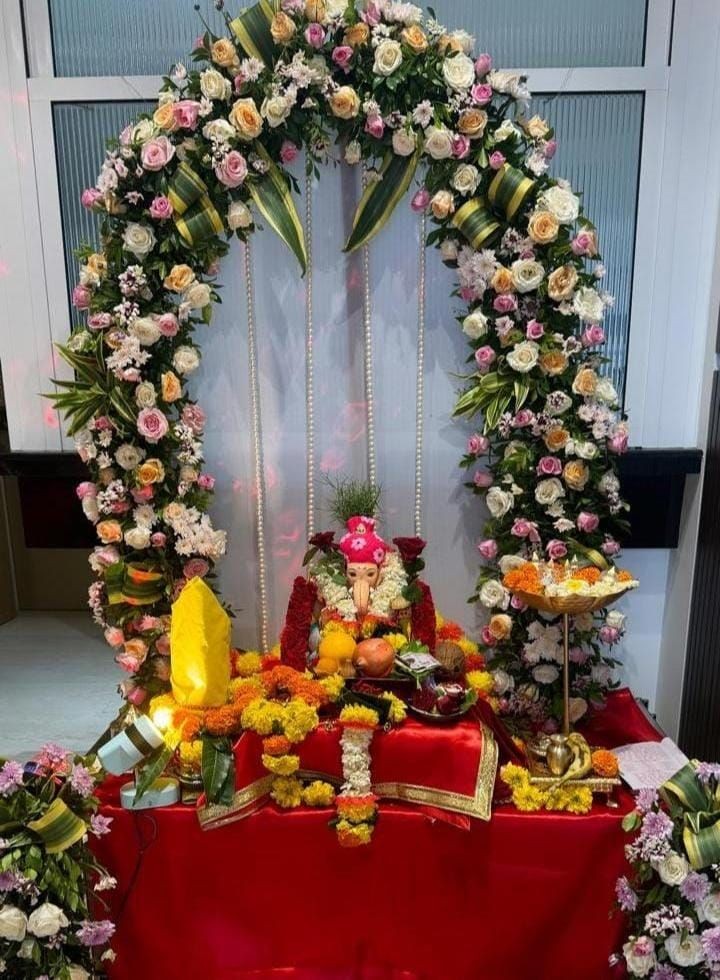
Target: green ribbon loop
134	583
252	30
194	214
58	828
509	189
476	222
701	816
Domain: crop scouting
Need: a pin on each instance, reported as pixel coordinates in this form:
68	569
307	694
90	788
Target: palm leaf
274	201
380	198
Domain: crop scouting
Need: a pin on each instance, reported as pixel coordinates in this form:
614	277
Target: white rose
558	403
640	956
548	491
684	953
546	674
138	239
239	216
608	483
583	622
404	142
475	325
505	130
13	924
502	682
90	509
588	304
449	250
213	85
524	356
26	949
527	274
615	619
186	360
438	142
673	869
578	707
388	57
143	131
137	537
499	502
353	153
459	72
586	450
146	330
493	594
466	179
465	40
562	203
47	920
605	391
128	456
145	395
197	295
709	909
276	109
335	8
601	674
76	972
219	130
503	81
510	562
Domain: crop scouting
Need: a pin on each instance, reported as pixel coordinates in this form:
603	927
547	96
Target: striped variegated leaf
380	198
274	201
252	30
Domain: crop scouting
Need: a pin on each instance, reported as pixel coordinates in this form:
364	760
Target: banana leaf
380	198
274	201
218	770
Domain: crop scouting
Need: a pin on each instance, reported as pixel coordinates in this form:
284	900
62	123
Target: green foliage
351	498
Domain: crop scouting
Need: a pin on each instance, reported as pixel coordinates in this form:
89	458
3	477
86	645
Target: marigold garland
529	798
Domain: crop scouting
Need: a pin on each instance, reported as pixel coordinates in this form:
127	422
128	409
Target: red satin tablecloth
523	897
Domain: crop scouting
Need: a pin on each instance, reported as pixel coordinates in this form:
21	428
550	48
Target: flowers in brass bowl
555	587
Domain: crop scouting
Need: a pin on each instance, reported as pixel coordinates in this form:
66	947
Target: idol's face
363	572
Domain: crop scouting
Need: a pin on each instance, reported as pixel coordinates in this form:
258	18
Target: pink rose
583	244
99	321
114	636
488	549
478	444
372	15
521	527
129	662
205	481
162	668
618	441
610	546
158	539
375	126
293	6
315	35
85	489
288	152
147	623
550	149
486	637
578	656
460	146
587	522
129	374
483	63
609	634
555	550
90	197
161	209
483	479
100	423
168	324
196	568
185	113
593	335
496	160
136	695
157	153
143	495
468	294
152	424
549	466
523	418
517	603
481	93
420	200
232	169
120	507
534	330
106	555
342	55
505	303
194	417
81	297
162	644
484	357
126	135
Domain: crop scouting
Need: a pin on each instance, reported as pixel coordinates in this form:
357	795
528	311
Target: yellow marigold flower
247	664
357	714
286	791
333	685
467	646
529	798
238	684
191	753
398	708
352	835
264	717
480	680
281	765
318	793
574	799
514	776
298	719
396	640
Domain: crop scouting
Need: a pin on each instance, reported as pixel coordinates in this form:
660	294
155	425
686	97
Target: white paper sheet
647	765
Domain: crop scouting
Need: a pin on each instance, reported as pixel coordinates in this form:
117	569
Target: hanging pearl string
368	362
420	382
258	462
309	366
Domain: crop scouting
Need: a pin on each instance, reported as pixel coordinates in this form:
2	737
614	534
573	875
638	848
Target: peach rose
502	281
562	282
223	53
442	204
449	43
556	437
553	362
472	122
170	387
136	648
109	531
543	227
585	383
414	37
164	117
537	128
345	102
97	263
151	471
500	626
246	119
357	35
282	28
179	278
316	11
576	474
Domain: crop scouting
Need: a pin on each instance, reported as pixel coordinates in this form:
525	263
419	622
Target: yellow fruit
334	648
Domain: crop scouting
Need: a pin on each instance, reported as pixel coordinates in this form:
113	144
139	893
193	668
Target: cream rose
353	153
547	492
466	178
47	920
505	131
388	57
186	360
684	952
219	130
708	910
404	142
438	142
179	278
76	972
537	128
502	682
214	85
145	395
246	119
673	869
197	296
459	72
137	538
524	356
138	239
475	325
562	203
146	329
142	131
336	8
605	391
494	595
128	456
499	502
442	205
239	216
276	109
449	250
527	274
543	227
13	924
562	282
588	304
345	102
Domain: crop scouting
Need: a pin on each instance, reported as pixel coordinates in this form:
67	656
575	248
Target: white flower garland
391	587
355	745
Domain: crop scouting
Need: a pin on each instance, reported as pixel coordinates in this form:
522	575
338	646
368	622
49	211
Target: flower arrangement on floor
672	896
48	876
568	796
404	95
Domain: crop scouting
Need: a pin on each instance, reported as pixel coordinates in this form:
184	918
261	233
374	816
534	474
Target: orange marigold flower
223	720
474	661
276	745
588	574
284	680
624	575
449	631
523	579
605	763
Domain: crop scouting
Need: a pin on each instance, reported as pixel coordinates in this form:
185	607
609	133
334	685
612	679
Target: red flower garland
423	618
298	620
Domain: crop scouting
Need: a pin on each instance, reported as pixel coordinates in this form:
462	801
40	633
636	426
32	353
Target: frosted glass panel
599	153
133	37
127	37
81	130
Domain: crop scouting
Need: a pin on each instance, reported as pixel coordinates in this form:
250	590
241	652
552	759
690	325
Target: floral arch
383	86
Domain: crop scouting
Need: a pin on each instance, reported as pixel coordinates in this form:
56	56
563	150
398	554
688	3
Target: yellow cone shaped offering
199	647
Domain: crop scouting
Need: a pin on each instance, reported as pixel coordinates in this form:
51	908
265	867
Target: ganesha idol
361	601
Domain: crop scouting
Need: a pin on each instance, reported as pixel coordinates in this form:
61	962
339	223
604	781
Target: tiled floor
58	683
